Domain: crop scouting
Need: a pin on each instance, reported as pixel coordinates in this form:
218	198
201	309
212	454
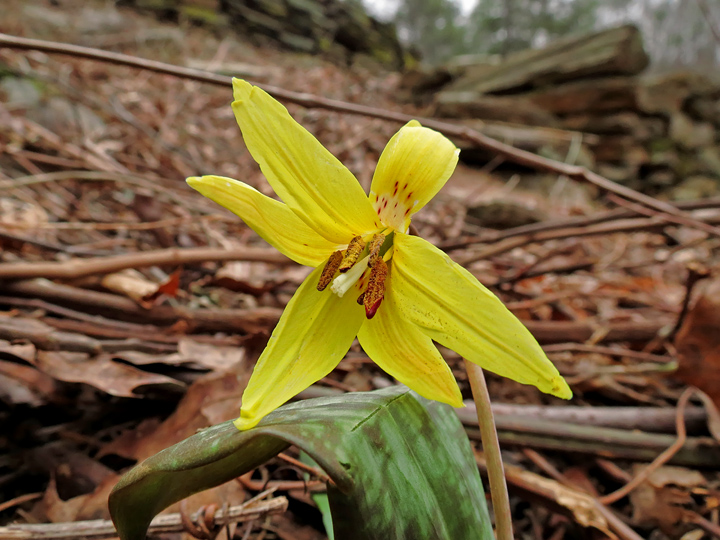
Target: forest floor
113	348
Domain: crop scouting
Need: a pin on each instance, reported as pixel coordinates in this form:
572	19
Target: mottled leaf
401	465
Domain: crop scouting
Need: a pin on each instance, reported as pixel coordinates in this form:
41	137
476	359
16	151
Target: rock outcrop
654	132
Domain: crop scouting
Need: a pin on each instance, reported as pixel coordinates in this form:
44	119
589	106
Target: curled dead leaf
698	342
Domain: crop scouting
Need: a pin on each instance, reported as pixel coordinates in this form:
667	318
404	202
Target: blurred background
676	32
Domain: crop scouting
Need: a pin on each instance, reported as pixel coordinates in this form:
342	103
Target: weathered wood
508	109
622	123
536	139
618	51
588	96
667	93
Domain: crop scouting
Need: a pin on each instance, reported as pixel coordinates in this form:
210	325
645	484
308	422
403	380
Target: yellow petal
271	219
454	309
415	164
314	333
308	178
403	351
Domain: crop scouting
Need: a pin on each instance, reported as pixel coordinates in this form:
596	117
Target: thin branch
168	523
78	268
491	236
662	458
618	226
311	101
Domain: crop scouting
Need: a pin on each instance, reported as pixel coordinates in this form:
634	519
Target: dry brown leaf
210	400
698	342
89	506
191	353
169	287
659	500
23	351
133	284
583	507
101	372
78	487
26	385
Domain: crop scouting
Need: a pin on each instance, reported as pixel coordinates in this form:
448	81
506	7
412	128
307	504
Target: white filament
344	282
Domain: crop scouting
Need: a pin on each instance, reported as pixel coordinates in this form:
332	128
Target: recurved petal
314	333
415	164
308	178
271	219
454	309
402	350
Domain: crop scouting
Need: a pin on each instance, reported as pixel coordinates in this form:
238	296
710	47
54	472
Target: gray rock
20	92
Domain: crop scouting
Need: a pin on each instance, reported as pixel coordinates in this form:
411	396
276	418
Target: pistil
344	282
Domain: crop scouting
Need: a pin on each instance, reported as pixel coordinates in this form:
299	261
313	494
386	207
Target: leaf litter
100	371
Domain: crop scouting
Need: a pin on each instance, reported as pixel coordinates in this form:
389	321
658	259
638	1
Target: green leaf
402	467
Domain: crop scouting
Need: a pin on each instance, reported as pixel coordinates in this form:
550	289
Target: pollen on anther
374	248
329	271
375	292
354	249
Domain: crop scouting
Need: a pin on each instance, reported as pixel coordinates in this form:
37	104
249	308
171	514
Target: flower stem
491	448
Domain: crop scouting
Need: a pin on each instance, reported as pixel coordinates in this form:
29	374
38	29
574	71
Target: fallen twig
245	321
77	268
249	321
662	459
163	524
609	227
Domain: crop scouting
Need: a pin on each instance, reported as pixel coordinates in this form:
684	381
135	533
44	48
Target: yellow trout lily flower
397	293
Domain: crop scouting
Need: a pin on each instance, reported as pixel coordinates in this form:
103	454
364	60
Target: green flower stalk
396	292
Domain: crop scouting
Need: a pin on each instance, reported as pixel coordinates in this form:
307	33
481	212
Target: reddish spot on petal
395	205
405	186
408	196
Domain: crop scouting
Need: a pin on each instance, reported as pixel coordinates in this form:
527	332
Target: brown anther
328	272
374	248
361	299
376	288
352	254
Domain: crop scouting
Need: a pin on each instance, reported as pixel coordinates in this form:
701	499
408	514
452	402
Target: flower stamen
374	247
375	292
354	249
328	272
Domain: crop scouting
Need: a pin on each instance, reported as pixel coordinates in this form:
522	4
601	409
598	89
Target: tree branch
311	101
